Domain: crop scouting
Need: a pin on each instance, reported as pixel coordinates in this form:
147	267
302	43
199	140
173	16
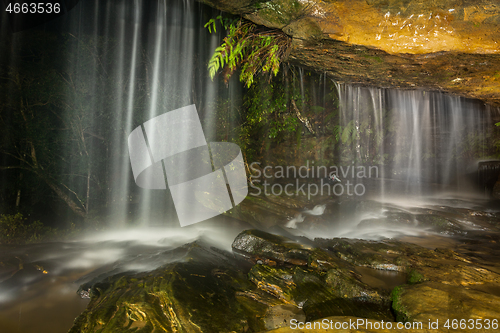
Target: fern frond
248	47
347	133
217	61
337	130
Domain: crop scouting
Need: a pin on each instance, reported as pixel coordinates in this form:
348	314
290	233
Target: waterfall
118	64
421	140
124	63
90	102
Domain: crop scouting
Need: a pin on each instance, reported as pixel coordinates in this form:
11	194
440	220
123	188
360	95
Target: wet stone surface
269	280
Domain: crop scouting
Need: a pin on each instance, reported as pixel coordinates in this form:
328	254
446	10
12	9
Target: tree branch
302	119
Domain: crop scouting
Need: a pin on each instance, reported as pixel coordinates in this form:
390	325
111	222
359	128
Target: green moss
415	277
344	285
185	296
438	221
401	261
374	58
273	280
122	282
281	12
397	306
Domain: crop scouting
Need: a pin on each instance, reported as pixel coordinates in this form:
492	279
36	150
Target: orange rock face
445	45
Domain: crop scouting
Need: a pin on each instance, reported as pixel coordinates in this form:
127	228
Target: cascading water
119	64
421	140
126	63
424	148
426	145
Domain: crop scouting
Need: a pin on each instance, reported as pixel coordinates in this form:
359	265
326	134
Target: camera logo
171	150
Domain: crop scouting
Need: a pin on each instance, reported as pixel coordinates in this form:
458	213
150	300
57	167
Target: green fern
251	48
211	23
226	23
349	133
217	61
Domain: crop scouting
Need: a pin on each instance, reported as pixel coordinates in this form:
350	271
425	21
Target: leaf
247	47
348	132
337	129
209	25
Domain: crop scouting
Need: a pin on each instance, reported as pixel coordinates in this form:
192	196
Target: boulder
271	282
265	212
204	291
320	295
261	245
437	301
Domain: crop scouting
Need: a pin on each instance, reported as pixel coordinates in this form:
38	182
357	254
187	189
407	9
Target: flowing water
426	147
428	150
425	140
39	283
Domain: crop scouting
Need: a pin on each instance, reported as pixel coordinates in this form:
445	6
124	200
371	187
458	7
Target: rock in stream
270	281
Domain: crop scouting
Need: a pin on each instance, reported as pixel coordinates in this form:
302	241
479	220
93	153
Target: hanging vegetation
251	48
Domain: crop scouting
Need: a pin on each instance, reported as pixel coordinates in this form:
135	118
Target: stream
39	282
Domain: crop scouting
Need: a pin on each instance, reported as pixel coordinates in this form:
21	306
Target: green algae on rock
205	291
437	301
318	294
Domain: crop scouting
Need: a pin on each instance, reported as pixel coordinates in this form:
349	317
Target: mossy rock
344	284
206	291
385	255
415	277
436	301
262	245
317	296
441	224
263	213
364	253
322	260
275	281
397	304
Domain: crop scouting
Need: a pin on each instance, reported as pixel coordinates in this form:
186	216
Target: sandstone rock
320	295
205	289
184	296
436	301
447	45
262	245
